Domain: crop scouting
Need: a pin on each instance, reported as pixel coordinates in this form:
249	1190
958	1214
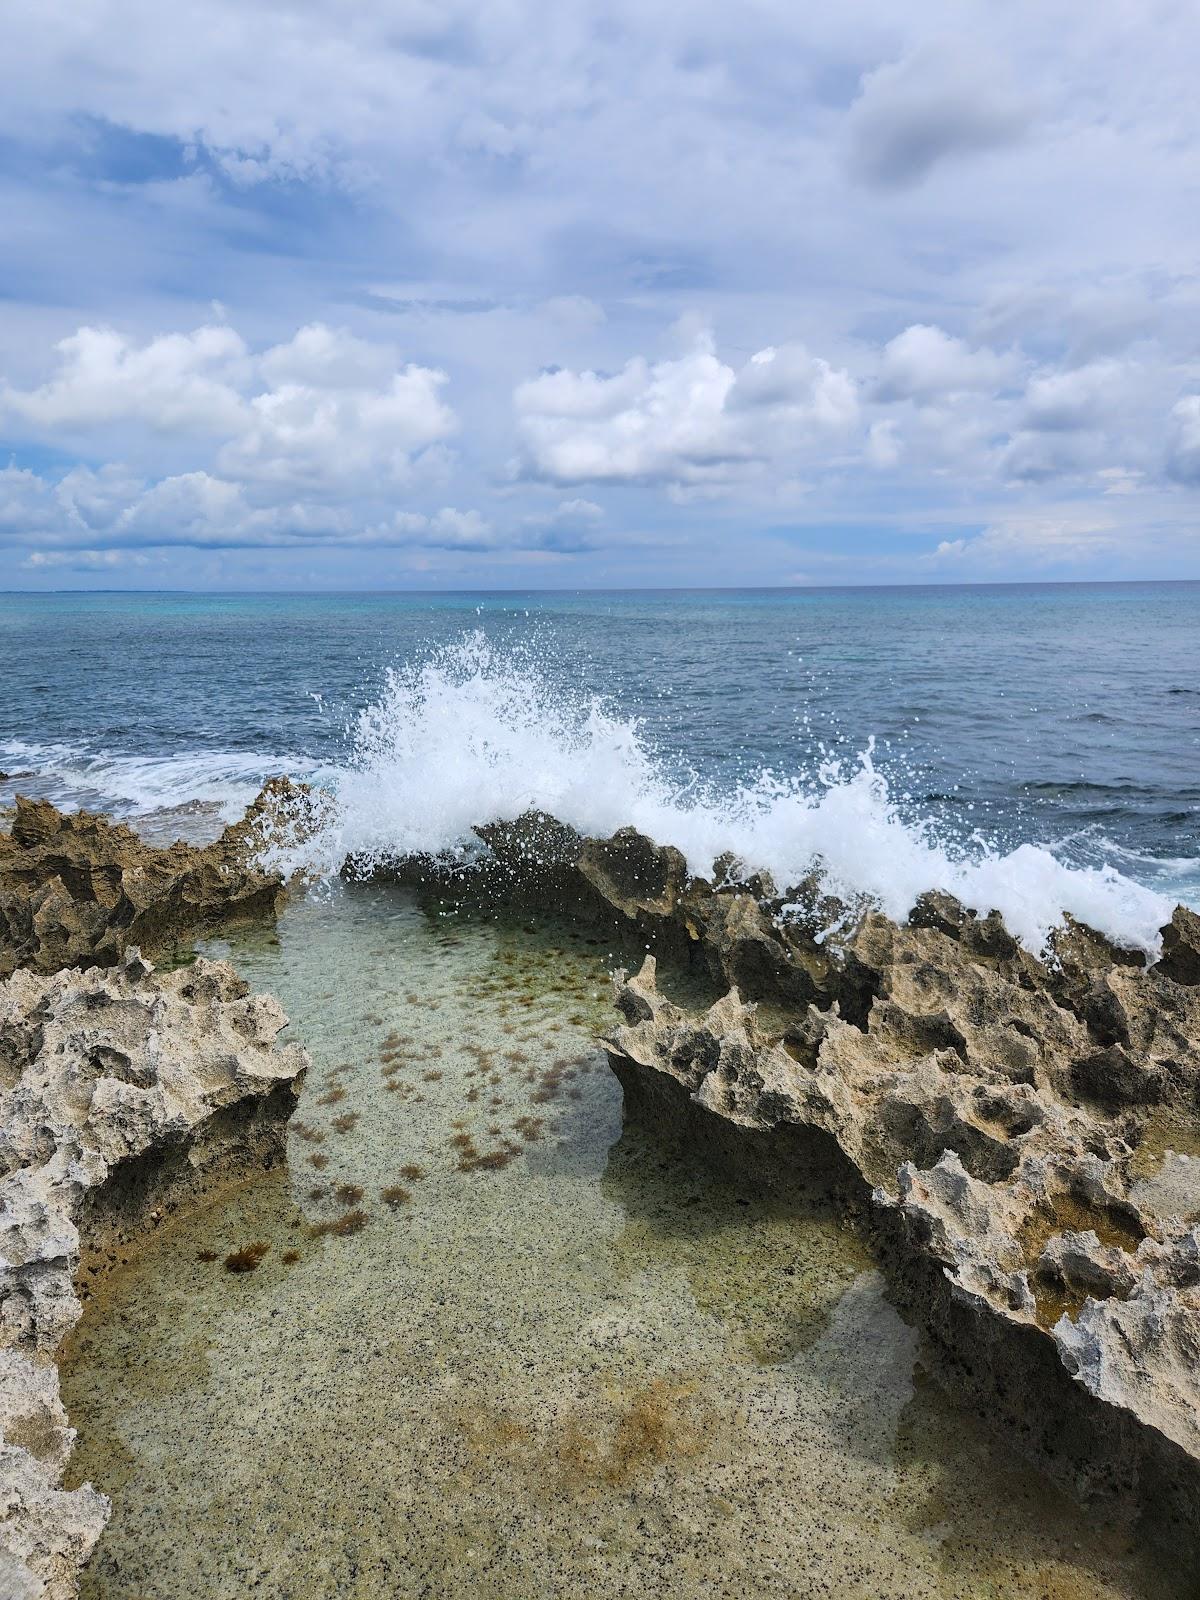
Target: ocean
1034	746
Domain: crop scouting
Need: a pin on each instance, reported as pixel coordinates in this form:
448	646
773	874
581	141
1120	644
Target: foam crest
472	736
136	786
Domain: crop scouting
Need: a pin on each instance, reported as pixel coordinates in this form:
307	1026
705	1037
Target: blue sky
318	294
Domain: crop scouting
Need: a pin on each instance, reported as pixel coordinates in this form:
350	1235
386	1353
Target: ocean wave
74	776
472	735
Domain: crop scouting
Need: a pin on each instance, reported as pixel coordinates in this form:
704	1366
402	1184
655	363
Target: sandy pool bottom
487	1343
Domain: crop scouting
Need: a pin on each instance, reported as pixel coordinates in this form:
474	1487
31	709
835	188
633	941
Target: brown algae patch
654	1425
249	1258
341	1227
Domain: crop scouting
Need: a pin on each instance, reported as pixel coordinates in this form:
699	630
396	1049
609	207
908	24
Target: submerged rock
123	1095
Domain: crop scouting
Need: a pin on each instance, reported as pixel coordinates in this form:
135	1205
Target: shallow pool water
488	1343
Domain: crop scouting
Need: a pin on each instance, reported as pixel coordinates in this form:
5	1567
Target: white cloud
692	421
925	362
944	99
176	382
323	409
447	529
305	441
1059	537
79	560
1080	397
312	437
576	513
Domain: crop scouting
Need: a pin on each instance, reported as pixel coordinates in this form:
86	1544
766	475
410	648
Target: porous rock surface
1004	1113
76	888
123	1093
1026	1131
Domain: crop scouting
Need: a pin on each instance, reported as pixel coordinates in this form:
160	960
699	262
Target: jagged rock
75	888
1181	947
123	1094
994	1105
996	1108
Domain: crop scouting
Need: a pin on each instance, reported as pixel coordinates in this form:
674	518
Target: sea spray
472	735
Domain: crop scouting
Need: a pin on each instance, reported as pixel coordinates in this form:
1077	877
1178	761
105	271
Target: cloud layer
443	294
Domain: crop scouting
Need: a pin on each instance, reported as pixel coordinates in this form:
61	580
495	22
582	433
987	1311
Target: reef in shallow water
1021	1128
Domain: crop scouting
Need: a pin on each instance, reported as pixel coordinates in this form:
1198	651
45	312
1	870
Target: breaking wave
472	736
72	775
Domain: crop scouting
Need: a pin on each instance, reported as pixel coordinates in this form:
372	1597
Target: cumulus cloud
177	382
79	560
304	441
1055	538
575	513
942	100
1080	397
925	361
323	408
692	421
447	529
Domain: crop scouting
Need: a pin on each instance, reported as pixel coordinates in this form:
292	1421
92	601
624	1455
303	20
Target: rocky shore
1021	1132
1024	1132
124	1094
77	889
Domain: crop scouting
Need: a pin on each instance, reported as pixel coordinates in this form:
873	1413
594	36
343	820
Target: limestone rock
996	1107
75	888
121	1091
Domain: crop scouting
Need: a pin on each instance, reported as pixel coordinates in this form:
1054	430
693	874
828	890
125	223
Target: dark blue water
1062	714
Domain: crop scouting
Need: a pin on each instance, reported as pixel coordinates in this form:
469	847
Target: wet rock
76	889
123	1094
1181	948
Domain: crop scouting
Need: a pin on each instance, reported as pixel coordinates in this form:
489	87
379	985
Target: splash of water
137	786
471	736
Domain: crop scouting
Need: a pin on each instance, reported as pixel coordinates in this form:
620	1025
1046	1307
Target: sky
378	294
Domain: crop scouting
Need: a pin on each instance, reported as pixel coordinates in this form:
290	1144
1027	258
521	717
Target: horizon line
577	589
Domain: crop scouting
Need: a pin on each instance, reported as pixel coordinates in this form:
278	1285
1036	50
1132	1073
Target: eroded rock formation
76	889
123	1095
1025	1131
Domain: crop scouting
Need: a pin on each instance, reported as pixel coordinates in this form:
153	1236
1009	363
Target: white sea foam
73	775
471	736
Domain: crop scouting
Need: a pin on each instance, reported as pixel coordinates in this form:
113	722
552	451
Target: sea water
494	1342
1032	748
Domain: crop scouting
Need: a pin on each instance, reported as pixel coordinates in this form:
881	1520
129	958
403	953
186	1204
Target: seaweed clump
654	1426
248	1258
341	1227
